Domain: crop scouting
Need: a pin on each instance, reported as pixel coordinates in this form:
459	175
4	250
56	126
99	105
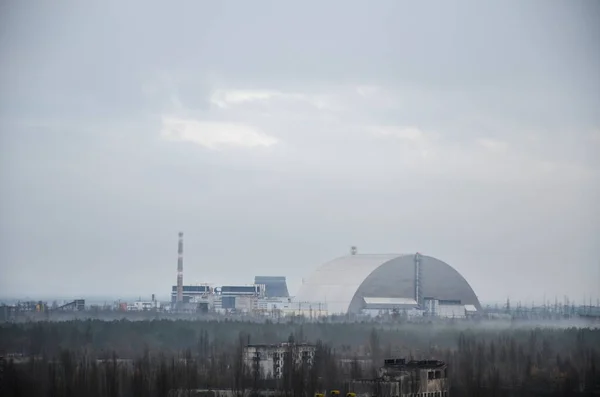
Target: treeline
121	358
79	374
131	338
536	362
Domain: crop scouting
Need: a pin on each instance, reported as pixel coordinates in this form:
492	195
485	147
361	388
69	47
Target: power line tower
418	277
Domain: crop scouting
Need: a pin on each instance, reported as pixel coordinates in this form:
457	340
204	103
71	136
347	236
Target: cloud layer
213	135
276	137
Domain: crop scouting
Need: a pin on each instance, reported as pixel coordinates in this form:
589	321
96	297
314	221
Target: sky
276	135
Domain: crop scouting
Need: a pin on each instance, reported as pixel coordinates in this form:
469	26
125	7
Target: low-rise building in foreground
270	361
401	378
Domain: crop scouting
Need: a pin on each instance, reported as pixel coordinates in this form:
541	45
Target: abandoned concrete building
401	378
269	361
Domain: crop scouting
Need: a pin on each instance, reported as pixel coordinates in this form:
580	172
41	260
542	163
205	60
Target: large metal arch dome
343	283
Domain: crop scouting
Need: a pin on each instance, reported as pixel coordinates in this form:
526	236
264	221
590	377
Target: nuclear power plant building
275	286
355	283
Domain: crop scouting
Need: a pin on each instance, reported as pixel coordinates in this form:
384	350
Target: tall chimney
180	270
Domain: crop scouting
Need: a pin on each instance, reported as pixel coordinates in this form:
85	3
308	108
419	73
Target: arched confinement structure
344	283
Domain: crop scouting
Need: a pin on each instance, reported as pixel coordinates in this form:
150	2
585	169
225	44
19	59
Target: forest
151	358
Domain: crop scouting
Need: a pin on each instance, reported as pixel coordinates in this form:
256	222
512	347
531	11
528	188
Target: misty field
149	358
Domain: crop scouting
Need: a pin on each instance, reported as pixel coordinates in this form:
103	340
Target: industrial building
238	298
415	284
190	293
289	307
269	361
274	286
268	294
401	378
141	306
243	299
227	298
412	283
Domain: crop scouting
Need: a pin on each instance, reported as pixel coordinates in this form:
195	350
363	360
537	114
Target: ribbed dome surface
344	282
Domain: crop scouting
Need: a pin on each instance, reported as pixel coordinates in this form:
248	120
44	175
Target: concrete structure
281	307
274	286
401	378
141	306
77	304
269	361
238	298
242	299
240	290
8	312
357	282
235	304
190	293
447	308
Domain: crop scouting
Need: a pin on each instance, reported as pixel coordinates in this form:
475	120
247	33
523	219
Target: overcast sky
275	135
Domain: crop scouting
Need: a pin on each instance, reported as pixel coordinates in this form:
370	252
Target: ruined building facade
401	378
270	361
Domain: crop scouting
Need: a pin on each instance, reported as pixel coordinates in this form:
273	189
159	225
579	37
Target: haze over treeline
157	356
